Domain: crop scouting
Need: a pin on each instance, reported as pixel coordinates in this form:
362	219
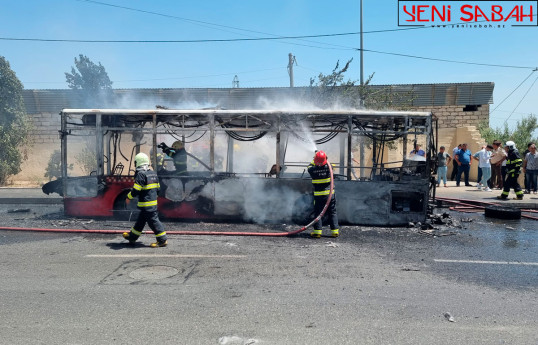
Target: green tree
522	134
54	167
92	80
329	90
14	124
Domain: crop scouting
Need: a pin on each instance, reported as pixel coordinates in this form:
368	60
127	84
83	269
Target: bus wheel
124	210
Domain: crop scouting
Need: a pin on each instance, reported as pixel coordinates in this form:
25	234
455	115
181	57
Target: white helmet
511	145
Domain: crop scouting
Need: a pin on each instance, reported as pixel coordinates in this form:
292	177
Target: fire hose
470	206
213	233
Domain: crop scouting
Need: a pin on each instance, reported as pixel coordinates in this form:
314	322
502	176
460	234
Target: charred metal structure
382	193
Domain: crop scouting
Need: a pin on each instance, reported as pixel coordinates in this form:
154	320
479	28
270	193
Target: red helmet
320	159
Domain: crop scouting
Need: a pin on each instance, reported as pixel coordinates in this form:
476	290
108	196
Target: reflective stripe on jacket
321	179
145	188
513	163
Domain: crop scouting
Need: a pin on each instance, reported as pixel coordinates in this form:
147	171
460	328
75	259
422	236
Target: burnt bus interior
249	165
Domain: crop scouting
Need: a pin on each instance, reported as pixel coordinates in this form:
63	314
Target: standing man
463	157
145	187
454	162
513	165
530	168
497	157
321	180
483	157
526	181
443	159
479	178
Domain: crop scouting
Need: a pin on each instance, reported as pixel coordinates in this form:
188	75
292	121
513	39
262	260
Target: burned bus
249	165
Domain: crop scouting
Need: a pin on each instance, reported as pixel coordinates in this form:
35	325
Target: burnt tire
123	210
502	212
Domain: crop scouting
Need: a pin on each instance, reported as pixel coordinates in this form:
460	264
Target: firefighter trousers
511	182
319	204
152	219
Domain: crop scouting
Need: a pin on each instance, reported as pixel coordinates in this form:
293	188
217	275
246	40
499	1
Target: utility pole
291	60
235	82
361	151
362	55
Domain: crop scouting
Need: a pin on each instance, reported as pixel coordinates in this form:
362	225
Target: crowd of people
498	167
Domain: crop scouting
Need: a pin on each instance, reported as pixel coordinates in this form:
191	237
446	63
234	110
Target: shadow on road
126	245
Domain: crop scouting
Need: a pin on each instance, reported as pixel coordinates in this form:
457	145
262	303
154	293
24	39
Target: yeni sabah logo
477	14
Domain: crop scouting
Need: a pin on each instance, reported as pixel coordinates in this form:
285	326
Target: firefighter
321	180
145	187
178	154
513	165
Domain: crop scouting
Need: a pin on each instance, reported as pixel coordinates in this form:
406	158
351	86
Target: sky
41	64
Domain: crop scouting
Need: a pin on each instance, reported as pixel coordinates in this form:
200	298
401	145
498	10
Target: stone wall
453	116
46	127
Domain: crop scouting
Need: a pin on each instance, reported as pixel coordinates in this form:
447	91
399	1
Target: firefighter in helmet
145	187
513	166
321	180
178	154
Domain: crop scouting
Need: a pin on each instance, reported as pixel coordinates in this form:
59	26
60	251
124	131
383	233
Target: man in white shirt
483	158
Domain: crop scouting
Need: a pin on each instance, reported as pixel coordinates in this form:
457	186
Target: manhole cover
153	273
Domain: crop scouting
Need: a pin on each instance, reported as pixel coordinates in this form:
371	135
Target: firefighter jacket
145	187
321	179
179	157
513	163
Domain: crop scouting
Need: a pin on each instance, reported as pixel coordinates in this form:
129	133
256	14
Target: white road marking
196	256
488	262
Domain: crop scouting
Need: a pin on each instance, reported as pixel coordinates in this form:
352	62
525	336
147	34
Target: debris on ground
437	225
436	233
332	244
449	317
18	210
407	269
72	222
235	340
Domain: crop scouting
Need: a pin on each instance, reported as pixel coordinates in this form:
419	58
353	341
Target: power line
205	23
445	60
177	41
212	25
517	87
263	39
522	98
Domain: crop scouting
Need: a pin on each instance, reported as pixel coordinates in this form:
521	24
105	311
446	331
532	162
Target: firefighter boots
315	234
158	244
127	236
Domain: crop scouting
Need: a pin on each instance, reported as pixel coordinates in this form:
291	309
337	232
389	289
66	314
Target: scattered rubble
19	210
437	225
449	317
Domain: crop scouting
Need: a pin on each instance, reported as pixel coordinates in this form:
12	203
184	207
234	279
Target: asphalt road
370	286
